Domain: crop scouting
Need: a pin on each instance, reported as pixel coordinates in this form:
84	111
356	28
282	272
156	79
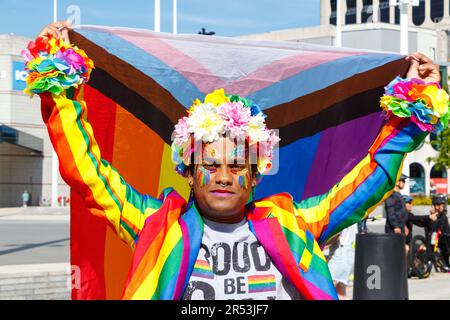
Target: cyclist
441	227
425	222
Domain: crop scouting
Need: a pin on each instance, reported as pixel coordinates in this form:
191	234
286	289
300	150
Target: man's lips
222	192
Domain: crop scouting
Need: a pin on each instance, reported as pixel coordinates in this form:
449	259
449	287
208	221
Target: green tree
442	144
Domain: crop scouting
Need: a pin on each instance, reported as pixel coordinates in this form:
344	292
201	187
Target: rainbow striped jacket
166	234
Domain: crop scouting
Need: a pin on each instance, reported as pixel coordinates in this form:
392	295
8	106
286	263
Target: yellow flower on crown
217	97
194	104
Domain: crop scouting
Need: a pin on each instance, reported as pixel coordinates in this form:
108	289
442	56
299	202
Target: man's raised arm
57	72
415	106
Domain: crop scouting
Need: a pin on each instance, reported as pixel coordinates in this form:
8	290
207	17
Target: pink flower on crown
236	118
181	133
273	139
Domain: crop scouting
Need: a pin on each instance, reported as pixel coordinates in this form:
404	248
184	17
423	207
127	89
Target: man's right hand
398	230
433	215
57	30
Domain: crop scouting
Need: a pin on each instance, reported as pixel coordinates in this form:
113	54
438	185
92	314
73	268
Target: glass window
333	12
350	15
438	173
367	11
437	10
384	11
417	178
419	13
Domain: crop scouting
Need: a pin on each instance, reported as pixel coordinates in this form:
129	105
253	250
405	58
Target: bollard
380	267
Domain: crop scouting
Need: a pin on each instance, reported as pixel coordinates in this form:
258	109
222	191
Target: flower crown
221	114
55	66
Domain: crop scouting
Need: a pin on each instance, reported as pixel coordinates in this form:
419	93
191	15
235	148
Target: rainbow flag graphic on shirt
202	269
261	283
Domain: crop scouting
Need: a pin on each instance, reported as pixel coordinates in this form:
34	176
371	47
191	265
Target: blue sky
225	17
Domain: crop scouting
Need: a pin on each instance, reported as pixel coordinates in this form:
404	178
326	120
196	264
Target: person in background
409	224
433	188
396	214
25	198
342	261
441	227
431	223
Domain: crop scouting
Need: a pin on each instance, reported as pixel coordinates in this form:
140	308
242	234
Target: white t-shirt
232	265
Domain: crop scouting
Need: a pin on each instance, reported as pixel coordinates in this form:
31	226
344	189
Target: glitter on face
204	176
243	180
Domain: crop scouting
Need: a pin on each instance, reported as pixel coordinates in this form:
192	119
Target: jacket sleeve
420	221
373	179
392	215
104	191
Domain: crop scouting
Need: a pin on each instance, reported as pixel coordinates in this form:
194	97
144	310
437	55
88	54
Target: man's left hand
421	67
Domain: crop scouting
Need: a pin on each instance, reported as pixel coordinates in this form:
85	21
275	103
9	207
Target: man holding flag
223	244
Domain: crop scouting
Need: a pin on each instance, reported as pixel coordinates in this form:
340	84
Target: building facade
25	148
374	25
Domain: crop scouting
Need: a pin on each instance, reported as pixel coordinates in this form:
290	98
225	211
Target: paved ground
42	235
34	236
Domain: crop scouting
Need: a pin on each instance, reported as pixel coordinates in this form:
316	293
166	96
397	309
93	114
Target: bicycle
426	254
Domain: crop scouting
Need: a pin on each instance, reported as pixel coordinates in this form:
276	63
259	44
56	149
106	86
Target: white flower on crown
205	123
257	130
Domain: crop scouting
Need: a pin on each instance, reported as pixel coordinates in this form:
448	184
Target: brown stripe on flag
128	99
132	78
311	104
356	106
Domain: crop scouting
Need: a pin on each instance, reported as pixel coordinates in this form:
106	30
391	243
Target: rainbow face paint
203	175
243	179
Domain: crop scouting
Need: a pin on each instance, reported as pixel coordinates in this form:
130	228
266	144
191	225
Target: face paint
203	175
243	180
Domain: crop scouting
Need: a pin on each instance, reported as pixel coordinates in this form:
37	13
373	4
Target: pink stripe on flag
193	71
270	74
206	81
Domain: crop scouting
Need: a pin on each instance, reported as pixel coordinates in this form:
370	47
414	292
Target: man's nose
224	175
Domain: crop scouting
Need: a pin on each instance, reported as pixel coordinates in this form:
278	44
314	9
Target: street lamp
338	39
403	6
174	17
55	10
157	22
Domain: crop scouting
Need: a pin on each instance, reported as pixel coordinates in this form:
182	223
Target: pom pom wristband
55	66
426	104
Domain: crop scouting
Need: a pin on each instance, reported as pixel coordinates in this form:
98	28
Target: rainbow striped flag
261	283
324	101
202	269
